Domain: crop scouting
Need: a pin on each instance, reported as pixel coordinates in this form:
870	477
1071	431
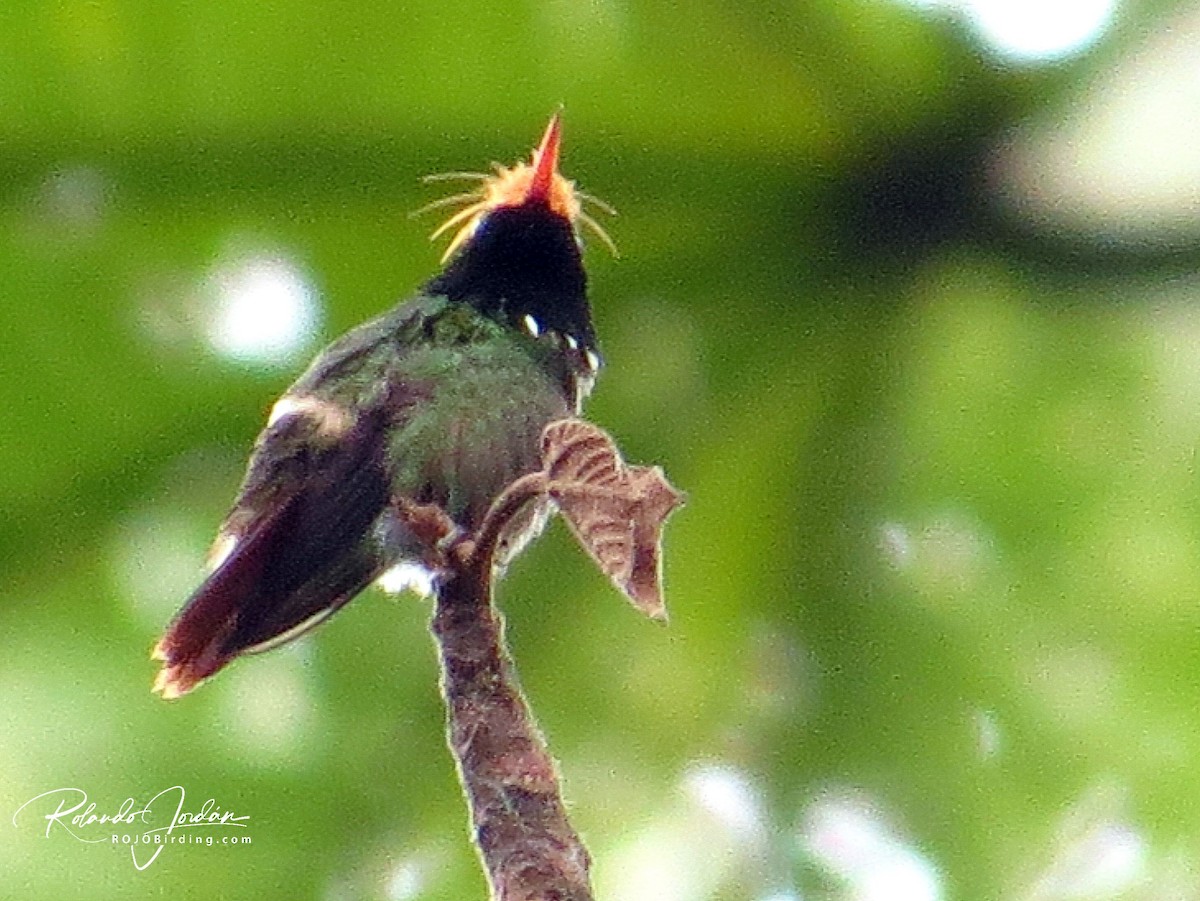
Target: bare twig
527	845
529	849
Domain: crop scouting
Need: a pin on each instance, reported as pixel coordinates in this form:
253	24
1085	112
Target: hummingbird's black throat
523	262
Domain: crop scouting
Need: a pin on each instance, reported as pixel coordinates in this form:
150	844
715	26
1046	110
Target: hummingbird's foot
461	551
434	529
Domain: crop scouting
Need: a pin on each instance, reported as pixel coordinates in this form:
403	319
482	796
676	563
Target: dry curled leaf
615	511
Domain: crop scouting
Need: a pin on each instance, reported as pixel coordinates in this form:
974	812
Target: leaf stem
499	514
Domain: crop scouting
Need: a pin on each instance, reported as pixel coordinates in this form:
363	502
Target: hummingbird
442	400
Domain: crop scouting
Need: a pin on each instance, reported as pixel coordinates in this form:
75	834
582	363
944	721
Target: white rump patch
531	325
408	575
331	419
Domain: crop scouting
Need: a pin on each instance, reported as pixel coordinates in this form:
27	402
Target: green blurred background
907	303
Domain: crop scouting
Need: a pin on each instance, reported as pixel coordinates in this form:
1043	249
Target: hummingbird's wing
294	562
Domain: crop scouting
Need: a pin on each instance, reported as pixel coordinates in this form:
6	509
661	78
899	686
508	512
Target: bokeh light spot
989	737
714	840
263	309
72	201
1030	30
1115	162
269	709
407	880
1096	854
729	797
946	557
852	839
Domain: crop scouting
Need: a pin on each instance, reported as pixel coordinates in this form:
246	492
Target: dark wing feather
292	568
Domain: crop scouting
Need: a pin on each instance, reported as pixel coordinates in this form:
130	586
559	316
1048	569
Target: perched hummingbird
441	401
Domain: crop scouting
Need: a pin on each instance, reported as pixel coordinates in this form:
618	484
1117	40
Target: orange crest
538	181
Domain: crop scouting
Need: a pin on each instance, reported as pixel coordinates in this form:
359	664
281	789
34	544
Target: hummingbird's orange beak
545	162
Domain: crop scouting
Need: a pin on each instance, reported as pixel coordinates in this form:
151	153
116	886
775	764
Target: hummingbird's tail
292	568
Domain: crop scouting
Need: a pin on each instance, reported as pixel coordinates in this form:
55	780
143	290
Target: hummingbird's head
516	254
536	186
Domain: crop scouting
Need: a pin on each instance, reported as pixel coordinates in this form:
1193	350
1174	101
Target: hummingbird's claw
433	527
